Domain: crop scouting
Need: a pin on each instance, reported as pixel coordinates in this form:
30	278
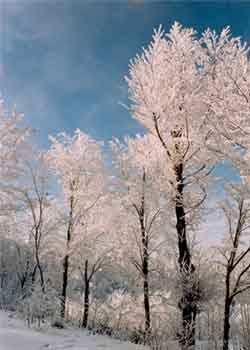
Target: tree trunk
66	261
145	272
226	326
146	304
22	282
37	258
86	297
64	285
188	302
25	275
40	272
33	276
227	307
145	259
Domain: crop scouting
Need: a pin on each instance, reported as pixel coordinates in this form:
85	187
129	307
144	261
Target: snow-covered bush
122	316
40	306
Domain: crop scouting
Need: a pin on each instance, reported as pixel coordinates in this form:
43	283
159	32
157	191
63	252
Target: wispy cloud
55	67
62	62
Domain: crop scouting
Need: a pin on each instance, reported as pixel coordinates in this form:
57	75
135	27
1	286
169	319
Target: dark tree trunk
64	285
40	272
228	301
39	267
146	284
188	302
22	281
226	326
146	305
86	296
25	275
33	276
37	258
145	259
66	262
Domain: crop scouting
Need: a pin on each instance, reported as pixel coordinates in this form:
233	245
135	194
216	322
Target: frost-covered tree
13	137
226	91
35	219
139	212
39	305
165	90
77	162
22	186
235	251
192	96
92	250
13	142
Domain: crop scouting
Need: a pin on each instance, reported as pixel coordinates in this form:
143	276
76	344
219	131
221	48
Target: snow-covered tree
78	165
235	251
165	89
13	137
192	95
226	90
92	250
139	215
13	141
40	305
35	219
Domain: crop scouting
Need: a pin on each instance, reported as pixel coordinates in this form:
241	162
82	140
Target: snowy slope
15	336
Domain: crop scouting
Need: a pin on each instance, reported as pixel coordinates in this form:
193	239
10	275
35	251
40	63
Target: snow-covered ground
14	335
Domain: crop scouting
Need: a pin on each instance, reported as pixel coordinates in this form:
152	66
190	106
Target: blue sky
62	63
